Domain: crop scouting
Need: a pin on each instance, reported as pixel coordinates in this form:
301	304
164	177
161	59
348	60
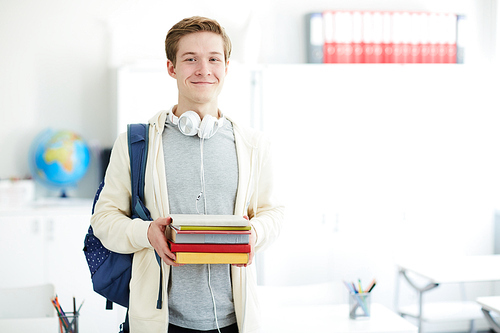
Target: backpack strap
138	141
138	138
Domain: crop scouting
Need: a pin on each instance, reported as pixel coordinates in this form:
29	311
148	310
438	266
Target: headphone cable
202	180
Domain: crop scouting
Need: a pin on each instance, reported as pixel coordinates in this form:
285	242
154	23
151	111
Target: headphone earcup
208	127
189	122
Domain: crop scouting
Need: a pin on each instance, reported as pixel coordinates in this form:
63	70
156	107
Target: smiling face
200	70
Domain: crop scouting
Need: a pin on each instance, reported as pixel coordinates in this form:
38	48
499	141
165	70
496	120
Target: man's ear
171	69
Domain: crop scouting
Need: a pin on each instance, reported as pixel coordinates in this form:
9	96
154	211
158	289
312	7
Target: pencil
371	285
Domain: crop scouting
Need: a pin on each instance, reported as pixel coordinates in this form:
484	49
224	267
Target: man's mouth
202	83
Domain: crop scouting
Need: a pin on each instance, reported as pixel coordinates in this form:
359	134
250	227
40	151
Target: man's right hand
158	239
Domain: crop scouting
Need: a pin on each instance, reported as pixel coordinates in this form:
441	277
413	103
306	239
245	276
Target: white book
208	220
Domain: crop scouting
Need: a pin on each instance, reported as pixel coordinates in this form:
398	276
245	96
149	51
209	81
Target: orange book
211	258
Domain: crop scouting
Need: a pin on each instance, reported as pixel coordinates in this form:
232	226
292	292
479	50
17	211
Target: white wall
53	74
58	58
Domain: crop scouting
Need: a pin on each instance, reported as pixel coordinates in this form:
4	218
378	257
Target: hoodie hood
158	120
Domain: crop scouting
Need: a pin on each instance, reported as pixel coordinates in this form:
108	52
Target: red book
343	34
212	248
378	37
417	37
330	43
406	37
426	39
434	38
398	31
387	41
357	38
368	38
450	38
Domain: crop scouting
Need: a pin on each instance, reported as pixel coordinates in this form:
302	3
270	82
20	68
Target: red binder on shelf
425	38
368	38
417	30
357	38
343	34
397	37
433	38
389	37
330	44
378	28
387	41
450	39
406	37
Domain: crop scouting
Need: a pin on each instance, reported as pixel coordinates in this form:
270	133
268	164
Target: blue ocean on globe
59	159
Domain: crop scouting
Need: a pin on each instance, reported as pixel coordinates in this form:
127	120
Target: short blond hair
191	25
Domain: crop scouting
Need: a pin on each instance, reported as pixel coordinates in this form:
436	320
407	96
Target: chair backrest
27	302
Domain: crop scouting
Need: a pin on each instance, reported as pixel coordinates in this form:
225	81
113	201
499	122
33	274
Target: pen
349	287
58	314
74	321
360	289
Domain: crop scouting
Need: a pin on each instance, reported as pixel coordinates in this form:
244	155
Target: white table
488	305
439	270
333	318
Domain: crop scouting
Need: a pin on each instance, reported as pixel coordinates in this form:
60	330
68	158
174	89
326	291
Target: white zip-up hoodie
119	233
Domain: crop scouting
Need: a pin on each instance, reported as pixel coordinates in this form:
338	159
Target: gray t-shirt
189	297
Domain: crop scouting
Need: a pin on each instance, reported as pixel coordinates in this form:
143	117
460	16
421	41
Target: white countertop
333	318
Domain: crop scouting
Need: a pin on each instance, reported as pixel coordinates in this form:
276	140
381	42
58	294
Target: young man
208	165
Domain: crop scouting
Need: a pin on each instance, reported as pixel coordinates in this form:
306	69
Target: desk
333	318
439	270
490	304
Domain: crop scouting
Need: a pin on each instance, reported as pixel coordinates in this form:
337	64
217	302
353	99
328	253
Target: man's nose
203	68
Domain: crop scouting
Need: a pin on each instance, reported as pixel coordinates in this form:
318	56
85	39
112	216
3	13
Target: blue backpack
111	271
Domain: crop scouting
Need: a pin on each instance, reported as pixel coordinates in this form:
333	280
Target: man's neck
201	109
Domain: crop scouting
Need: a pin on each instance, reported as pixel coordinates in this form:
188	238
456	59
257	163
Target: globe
59	159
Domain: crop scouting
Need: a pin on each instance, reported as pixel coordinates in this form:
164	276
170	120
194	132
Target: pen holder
359	305
69	323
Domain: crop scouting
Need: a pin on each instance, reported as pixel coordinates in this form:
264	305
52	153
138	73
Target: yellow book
223	228
211	258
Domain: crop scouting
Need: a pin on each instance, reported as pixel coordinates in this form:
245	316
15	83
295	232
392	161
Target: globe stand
63	194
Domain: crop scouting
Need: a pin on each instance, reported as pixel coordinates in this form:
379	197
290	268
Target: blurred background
374	161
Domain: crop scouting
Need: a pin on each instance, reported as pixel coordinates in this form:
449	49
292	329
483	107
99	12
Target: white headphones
189	123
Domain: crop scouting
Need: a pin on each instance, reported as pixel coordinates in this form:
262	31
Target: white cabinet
22	250
43	243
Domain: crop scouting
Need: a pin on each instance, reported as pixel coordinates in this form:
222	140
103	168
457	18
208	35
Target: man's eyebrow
194	53
187	54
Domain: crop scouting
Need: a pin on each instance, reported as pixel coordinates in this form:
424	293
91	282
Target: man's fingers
169	256
164	220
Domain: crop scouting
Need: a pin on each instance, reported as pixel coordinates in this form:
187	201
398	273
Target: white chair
28	309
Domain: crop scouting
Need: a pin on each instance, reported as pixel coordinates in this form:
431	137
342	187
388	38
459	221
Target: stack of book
209	239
